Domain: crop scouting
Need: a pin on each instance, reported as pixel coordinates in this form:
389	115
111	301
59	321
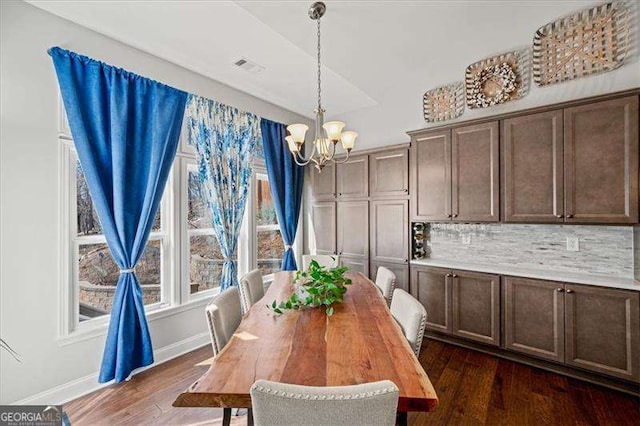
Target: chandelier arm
345	160
305	160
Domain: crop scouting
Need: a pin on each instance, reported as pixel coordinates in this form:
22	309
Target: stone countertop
541	274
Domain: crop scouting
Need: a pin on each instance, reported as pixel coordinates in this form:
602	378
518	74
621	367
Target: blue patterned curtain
126	130
225	140
285	180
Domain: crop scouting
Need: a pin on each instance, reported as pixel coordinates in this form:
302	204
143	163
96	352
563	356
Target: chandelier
327	134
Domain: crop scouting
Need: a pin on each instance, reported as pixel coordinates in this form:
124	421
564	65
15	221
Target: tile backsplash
602	249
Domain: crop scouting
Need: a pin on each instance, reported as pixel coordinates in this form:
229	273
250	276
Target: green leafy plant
319	287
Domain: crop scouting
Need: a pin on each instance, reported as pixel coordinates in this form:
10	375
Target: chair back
386	282
251	289
285	404
326	260
411	316
224	314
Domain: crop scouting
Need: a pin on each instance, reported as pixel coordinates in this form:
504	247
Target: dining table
359	343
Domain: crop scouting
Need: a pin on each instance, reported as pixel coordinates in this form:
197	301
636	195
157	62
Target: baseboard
69	391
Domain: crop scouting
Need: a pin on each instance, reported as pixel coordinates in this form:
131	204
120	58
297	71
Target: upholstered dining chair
251	289
326	260
411	316
224	314
386	282
285	404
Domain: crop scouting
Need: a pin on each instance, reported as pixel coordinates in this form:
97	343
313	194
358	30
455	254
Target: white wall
30	211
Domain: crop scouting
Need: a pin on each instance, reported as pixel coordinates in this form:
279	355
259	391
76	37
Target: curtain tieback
127	271
288	247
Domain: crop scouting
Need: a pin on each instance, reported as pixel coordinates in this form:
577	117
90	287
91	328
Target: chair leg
401	418
249	417
226	416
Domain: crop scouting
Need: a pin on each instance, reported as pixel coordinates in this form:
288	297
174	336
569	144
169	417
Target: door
400	271
353	229
323	184
476	306
432	287
603	330
390	231
534	317
353	178
323	227
532	168
356	264
475	173
430	176
601	162
389	173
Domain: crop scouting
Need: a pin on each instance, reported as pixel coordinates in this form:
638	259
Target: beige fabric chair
326	260
251	289
224	314
386	282
285	404
411	316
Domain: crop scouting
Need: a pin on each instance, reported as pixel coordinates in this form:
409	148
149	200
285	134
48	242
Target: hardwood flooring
473	388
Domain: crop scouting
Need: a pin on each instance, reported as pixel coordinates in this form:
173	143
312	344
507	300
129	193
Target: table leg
249	417
226	416
401	418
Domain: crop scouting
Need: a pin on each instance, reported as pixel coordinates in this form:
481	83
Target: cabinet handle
569	216
405	190
559	216
406	260
448	275
569	291
455	215
340	194
560	290
449	215
454	276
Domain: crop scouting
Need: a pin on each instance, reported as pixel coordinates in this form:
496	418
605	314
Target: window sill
99	328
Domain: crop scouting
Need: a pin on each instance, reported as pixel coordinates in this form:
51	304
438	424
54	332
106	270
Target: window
269	243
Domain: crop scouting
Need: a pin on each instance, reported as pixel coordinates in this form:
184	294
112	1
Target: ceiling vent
249	66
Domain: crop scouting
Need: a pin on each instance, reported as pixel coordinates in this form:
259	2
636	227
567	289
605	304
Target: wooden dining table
360	343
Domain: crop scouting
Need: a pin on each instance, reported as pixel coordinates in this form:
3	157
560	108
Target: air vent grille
249	66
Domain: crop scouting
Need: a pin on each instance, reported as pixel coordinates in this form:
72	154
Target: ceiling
379	56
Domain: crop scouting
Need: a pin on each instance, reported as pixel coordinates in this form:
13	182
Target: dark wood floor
473	388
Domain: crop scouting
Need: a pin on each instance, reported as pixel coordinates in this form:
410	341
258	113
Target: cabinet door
356	264
389	173
601	162
430	176
353	229
602	330
534	317
390	231
323	184
432	287
400	271
323	227
475	173
532	169
353	178
476	306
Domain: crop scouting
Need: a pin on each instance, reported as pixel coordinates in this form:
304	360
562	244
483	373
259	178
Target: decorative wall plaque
587	42
498	79
443	103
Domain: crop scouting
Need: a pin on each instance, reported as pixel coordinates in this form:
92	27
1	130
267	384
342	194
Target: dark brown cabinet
430	176
476	306
389	173
432	287
533	312
603	330
400	271
353	178
475	173
601	162
323	228
389	231
532	168
353	229
323	184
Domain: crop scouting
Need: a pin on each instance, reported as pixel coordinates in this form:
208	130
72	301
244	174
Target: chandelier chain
319	75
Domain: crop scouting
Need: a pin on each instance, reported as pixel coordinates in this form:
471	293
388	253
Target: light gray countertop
542	274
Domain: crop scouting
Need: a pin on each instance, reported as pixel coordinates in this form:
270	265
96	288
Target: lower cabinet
432	287
401	271
356	264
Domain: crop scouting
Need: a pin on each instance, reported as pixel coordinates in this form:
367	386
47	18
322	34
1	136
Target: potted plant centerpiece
317	287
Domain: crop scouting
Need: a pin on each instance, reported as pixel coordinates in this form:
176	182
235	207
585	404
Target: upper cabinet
323	184
389	173
430	176
353	178
601	162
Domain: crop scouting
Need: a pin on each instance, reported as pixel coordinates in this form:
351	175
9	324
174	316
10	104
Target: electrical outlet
573	244
466	239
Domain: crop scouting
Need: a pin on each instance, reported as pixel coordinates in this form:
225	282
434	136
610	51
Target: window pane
265	209
88	222
205	264
270	250
198	214
98	276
